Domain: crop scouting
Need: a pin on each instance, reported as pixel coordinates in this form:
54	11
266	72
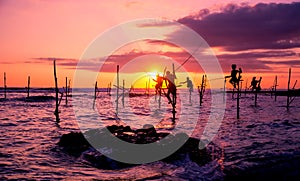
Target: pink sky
63	29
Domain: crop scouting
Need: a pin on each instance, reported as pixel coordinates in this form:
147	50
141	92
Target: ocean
263	144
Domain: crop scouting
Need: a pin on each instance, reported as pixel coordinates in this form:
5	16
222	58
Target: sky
261	37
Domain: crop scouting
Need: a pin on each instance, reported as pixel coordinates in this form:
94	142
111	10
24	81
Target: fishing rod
187	59
216	78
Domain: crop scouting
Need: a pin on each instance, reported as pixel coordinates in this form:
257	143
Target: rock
75	144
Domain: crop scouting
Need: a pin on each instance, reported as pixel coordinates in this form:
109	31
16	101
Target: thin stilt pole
201	91
28	86
246	86
118	85
56	112
238	101
69	87
66	90
95	94
238	97
224	91
288	90
275	88
123	92
174	96
5	87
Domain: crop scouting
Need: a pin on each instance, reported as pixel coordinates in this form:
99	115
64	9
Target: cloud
237	28
258	55
295	63
7	62
49	60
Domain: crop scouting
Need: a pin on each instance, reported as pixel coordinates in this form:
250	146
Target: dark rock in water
75	144
191	148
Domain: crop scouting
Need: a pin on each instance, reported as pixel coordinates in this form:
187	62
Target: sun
152	75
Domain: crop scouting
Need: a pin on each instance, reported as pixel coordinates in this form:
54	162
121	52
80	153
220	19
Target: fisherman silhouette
234	78
189	84
255	84
170	79
159	82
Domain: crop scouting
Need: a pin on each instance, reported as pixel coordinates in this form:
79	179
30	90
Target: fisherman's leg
174	96
168	96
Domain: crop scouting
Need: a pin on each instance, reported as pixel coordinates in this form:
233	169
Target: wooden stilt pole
288	90
201	91
224	90
56	112
275	88
69	87
28	86
123	92
238	96
246	86
238	101
118	85
5	87
66	90
95	94
174	96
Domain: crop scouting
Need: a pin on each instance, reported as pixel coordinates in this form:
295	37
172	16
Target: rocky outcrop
76	144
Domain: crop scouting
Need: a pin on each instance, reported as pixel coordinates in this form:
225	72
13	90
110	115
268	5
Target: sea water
264	141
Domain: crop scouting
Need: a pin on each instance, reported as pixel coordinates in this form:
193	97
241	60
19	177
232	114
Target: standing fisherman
234	78
189	84
159	81
170	82
255	84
